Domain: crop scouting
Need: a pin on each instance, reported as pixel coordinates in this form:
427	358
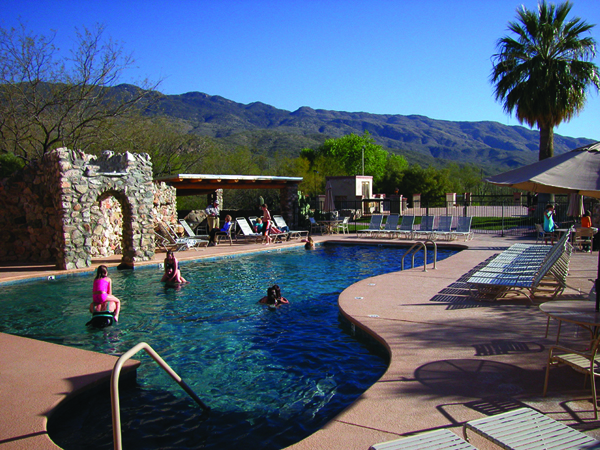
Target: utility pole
363	160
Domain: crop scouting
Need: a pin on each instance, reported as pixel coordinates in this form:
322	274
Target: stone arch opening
110	220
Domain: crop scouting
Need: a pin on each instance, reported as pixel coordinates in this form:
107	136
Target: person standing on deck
266	219
213	215
549	225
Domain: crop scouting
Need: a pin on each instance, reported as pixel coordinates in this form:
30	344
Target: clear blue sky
425	57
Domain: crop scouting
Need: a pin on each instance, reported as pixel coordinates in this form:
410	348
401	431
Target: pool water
271	378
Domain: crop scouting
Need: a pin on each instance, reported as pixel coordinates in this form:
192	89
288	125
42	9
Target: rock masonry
72	207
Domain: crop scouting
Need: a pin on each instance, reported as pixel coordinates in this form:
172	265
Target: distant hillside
419	138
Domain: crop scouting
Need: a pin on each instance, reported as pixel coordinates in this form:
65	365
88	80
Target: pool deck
453	359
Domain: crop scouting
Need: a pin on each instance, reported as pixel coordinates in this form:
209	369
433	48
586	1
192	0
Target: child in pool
280	300
310	244
271	298
172	272
102	297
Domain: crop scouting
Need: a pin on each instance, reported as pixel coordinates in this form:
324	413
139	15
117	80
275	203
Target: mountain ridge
484	142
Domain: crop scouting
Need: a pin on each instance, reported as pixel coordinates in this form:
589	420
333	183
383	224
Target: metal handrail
421	244
114	387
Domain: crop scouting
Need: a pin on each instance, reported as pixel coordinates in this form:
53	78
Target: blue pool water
270	377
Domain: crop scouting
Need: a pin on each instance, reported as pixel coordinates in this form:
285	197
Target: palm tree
545	72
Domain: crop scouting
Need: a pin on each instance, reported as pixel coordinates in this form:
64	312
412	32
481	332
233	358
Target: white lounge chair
252	221
170	241
538	271
283	226
439	440
247	232
374	225
525	428
190	233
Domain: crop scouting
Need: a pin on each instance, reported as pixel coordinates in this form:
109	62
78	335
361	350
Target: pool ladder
114	387
415	248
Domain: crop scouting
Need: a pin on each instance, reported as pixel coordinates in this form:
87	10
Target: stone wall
165	203
29	220
72	206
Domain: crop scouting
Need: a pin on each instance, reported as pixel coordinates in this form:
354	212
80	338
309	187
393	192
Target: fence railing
493	214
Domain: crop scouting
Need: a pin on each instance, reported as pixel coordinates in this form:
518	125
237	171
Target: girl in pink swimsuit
102	298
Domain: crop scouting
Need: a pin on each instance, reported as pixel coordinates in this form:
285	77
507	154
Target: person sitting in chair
223	231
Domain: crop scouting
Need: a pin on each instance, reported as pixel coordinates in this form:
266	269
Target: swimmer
280	300
271	298
310	244
102	298
172	272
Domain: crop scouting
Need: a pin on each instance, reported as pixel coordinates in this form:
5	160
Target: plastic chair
542	235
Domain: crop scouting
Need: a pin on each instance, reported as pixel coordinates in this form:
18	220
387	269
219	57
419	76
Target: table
329	225
562	230
580	312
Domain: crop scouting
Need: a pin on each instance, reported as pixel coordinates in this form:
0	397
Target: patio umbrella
575	208
329	203
574	172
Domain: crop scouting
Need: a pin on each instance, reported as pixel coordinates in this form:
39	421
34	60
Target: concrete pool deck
452	359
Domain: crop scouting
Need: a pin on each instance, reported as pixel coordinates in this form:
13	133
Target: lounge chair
405	229
525	428
190	232
426	229
170	241
390	229
463	229
247	232
586	362
374	225
438	440
528	271
444	228
283	226
252	221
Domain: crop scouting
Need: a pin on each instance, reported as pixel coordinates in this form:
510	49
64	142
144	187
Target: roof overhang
199	184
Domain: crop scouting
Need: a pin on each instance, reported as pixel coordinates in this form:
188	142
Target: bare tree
49	100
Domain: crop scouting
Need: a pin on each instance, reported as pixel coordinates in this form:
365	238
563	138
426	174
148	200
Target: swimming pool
271	378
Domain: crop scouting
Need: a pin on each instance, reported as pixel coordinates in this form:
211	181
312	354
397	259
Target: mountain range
270	130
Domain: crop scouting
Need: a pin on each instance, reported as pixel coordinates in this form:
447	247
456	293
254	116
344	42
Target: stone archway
85	180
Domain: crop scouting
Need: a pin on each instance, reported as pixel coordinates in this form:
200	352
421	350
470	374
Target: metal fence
494	214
